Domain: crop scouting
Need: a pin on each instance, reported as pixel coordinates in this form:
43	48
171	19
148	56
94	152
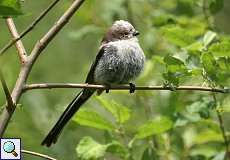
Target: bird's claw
132	88
107	88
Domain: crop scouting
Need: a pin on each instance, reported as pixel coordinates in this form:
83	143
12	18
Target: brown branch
43	42
29	28
118	87
10	103
37	154
20	48
26	68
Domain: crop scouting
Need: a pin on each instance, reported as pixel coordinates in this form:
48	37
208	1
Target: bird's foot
107	88
132	88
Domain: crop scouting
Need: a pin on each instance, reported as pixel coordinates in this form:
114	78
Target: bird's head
120	30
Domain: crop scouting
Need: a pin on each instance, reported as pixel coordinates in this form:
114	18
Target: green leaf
223	70
216	5
205	150
176	69
149	153
195	48
202	107
153	127
10	8
208	38
177	36
194	27
92	119
118	149
170	60
208	136
163	19
209	64
225	106
89	149
221	48
120	112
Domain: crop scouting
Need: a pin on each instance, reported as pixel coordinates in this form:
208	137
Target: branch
29	28
37	154
20	48
118	87
10	103
222	128
26	68
44	41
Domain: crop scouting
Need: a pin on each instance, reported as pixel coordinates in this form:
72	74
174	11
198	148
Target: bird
120	60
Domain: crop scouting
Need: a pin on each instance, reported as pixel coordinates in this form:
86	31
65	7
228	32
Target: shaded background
69	56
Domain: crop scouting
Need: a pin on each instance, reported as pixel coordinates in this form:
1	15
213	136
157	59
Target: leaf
208	136
221	48
120	112
163	19
118	149
220	156
92	119
153	127
216	5
89	149
170	60
195	48
149	153
10	8
177	36
205	150
224	107
194	27
223	70
202	107
209	64
176	69
208	38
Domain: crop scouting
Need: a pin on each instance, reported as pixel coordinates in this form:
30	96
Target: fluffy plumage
119	60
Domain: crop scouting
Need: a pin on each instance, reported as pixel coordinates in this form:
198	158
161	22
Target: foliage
184	45
10	8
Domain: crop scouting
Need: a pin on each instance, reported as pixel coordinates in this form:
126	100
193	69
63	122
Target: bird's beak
136	33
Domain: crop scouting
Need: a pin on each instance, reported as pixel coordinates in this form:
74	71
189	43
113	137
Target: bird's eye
126	33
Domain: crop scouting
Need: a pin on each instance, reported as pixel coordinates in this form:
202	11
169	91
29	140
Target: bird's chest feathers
121	62
127	52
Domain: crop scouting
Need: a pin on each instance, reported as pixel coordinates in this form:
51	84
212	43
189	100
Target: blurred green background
69	56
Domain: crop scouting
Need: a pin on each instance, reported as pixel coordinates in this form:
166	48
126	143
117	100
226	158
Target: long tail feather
72	108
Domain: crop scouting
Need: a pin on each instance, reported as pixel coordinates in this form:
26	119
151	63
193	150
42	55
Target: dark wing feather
90	76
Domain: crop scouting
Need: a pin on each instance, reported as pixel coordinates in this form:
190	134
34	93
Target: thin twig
207	14
37	154
117	87
10	103
44	41
26	68
221	123
29	28
20	48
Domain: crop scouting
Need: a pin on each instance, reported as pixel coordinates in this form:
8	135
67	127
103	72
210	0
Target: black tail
73	107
